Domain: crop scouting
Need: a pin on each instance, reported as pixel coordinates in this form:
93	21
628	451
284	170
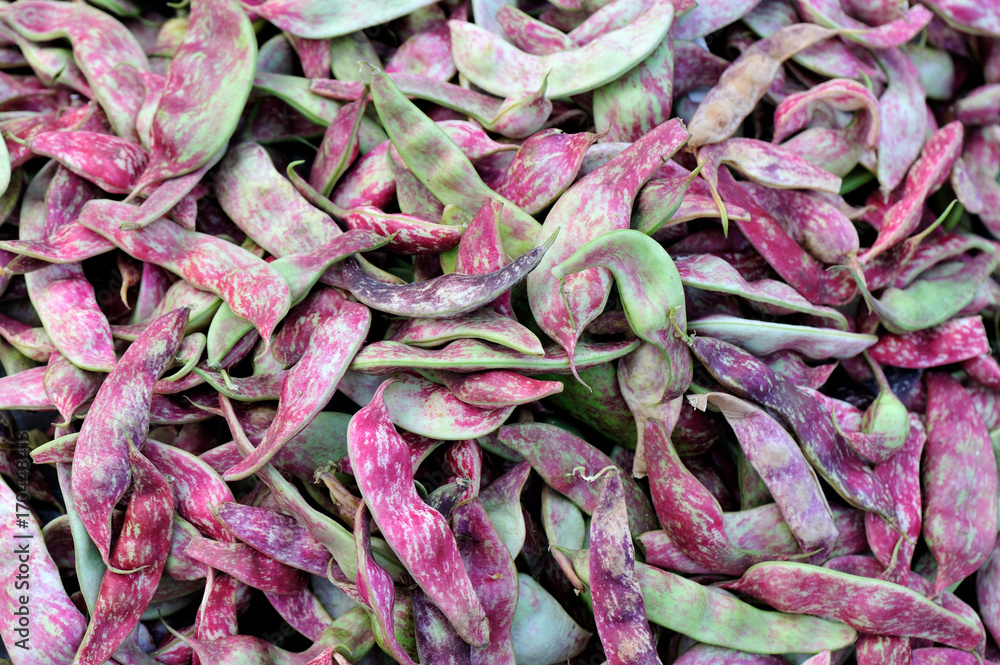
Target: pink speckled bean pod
198	490
301	272
426	408
502	69
494	578
953	341
766	164
255	195
171	193
484	324
346	91
868	605
111	163
545	165
761	528
311	383
799	269
984	370
700	532
944	656
958	462
370	181
376	588
80	118
822	445
531	35
247	565
927	174
497	388
464	461
255	649
141	548
710	16
704	654
796	111
901	474
468	355
902	116
818	226
339	147
318	19
407	234
600	202
708	615
68	387
518	116
555	453
481	251
790	479
202	102
886	36
640	99
292	340
988	591
446	296
792	366
883	650
71	243
253	289
216	617
102	459
302	611
279	536
56	626
618	607
712	273
437	641
441	167
107	53
314	55
62	295
968	16
980	157
383	470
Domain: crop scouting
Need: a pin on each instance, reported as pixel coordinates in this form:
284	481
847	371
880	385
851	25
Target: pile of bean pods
494	332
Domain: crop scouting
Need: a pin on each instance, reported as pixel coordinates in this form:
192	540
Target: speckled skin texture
868	605
618	608
207	86
118	419
418	535
959	480
135	565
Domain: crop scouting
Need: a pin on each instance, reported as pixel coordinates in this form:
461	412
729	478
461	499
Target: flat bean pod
712	616
117	420
868	605
205	261
373	443
200	105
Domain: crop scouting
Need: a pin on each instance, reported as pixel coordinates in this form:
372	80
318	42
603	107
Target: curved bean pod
118	419
253	289
381	462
